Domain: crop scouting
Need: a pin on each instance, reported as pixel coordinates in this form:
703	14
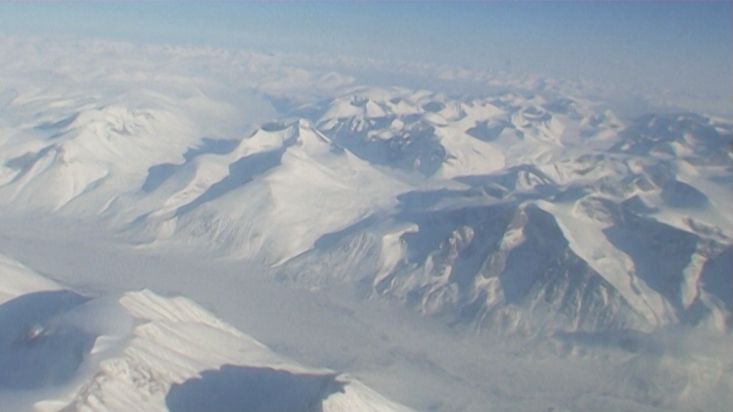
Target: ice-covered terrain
454	251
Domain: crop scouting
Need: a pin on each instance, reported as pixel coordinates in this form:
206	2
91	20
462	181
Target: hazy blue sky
686	46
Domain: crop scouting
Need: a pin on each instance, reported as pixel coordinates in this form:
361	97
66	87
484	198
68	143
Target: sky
682	46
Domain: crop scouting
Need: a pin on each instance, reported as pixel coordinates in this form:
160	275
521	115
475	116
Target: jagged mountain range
522	213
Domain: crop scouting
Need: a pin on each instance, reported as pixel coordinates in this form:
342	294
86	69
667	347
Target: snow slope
254	201
61	351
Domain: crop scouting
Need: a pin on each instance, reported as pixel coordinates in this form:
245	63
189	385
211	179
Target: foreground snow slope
61	351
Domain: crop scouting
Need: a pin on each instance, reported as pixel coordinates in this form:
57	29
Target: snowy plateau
460	242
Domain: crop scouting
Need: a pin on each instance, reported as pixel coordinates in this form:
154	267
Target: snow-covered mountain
493	211
250	201
62	351
618	226
531	213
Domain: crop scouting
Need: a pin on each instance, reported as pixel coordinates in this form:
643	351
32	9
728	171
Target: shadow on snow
252	389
